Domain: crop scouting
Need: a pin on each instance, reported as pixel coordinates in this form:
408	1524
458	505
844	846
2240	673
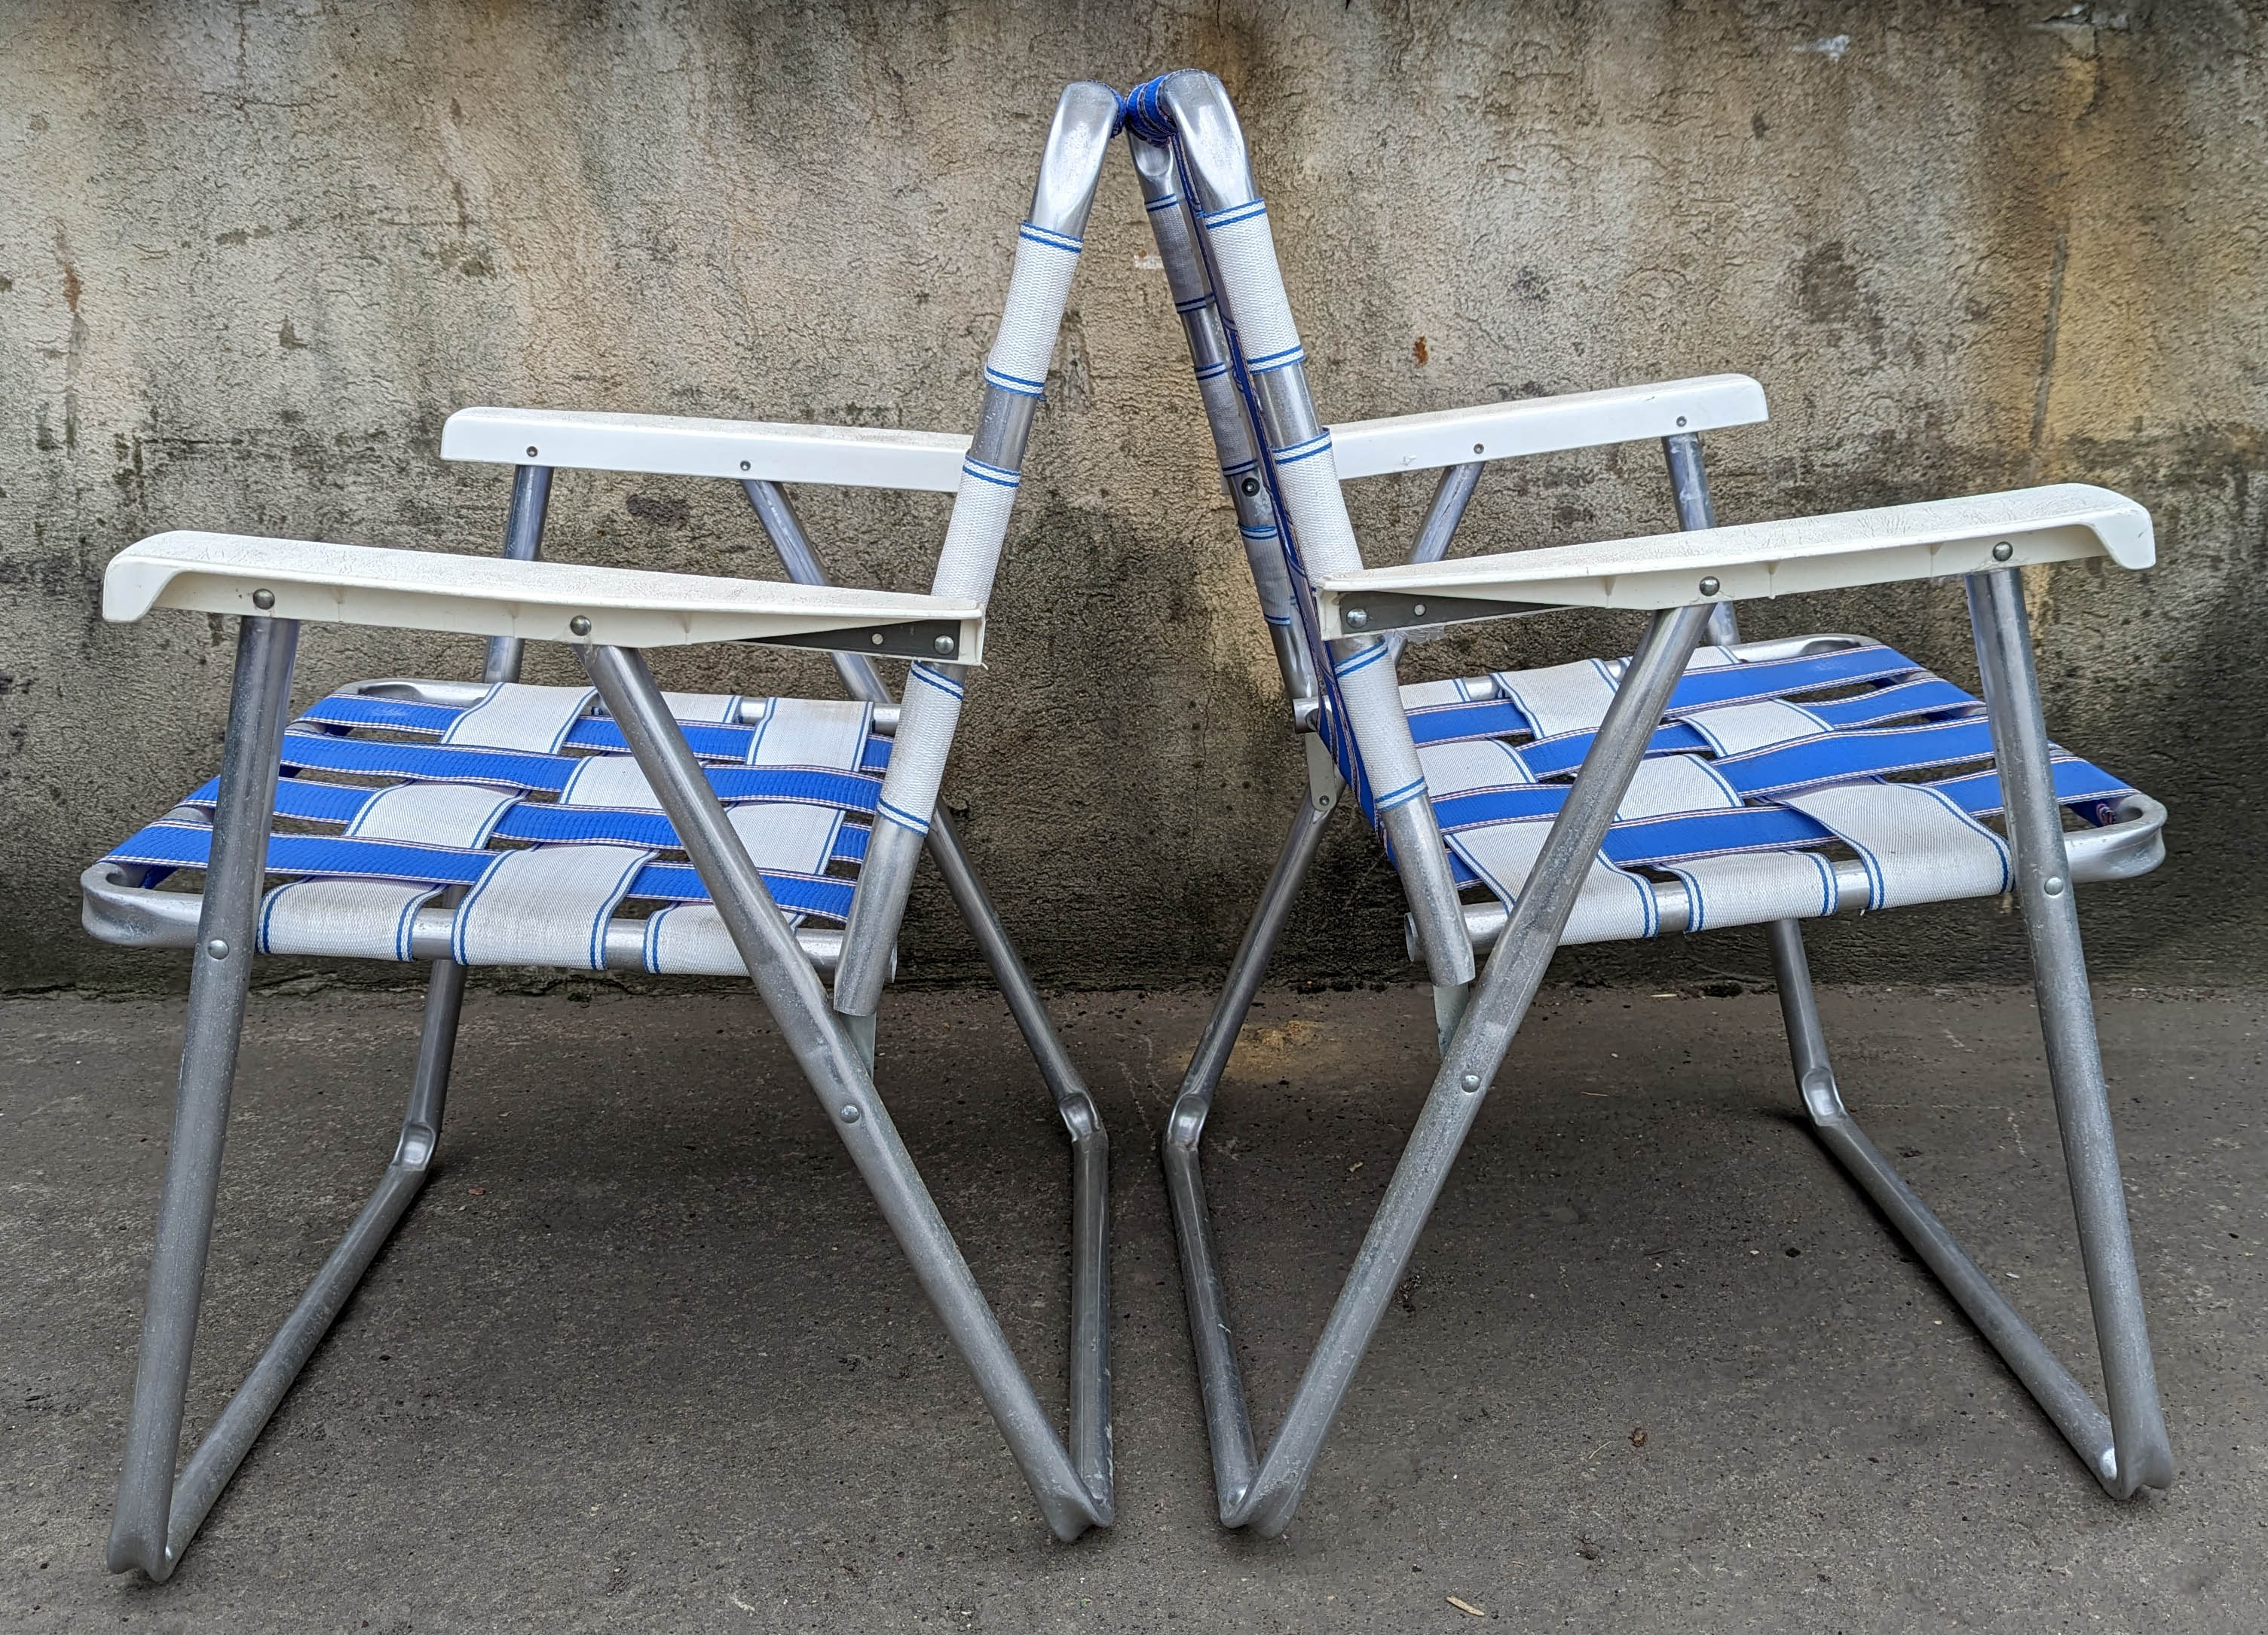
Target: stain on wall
251	257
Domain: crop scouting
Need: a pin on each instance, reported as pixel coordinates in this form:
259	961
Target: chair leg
1090	1254
1227	1422
791	992
2066	1402
1475	1052
159	1513
1089	1162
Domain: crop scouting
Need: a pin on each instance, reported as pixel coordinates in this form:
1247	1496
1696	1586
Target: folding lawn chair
459	824
1714	783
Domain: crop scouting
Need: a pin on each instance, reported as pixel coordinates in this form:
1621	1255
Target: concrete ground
644	1357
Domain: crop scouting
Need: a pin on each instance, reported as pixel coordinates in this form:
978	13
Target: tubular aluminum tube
1451	495
1090	1324
785	529
1186	280
1691	486
220	969
1215	162
2066	1401
799	1005
240	1422
2045	888
1228	1422
870	937
1475	1052
523	540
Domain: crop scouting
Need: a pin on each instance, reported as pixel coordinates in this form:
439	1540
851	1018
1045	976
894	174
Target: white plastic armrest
1936	538
679	446
1544	425
417	590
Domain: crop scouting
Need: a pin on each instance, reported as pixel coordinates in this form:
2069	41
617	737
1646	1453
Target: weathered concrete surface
644	1357
251	257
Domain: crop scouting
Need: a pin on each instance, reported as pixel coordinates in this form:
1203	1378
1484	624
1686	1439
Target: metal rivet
581	625
943	643
876	638
2003	551
1416	609
1251	486
531	451
1708	586
2052	885
1471	1082
1479	448
1356	618
744	465
263	599
1681	420
217	948
850	1113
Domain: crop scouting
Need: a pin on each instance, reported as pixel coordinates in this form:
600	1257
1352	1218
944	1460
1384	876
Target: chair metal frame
159	1512
1191	156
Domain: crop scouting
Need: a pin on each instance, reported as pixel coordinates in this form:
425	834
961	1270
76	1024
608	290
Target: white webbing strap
1561	698
786	836
1736	729
1250	283
609	781
707	708
689	939
1663	784
433	815
1612	906
1916	844
1465	764
927	716
343	920
515	716
549	906
812	732
1751	887
1037	291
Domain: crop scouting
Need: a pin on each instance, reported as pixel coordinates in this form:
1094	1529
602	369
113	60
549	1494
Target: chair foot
159	1512
2122	1464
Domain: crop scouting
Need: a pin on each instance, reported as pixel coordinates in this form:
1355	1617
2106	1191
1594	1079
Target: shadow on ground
644	1357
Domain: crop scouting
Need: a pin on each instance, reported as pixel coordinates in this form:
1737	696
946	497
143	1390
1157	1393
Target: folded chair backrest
1277	458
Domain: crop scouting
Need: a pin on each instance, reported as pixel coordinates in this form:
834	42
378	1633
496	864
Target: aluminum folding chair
1714	783
462	824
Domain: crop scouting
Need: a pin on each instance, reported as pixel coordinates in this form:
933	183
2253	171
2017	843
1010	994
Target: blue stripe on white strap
1052	240
1307	450
904	819
1362	661
1004	478
1394	798
1015	384
939	680
1268	361
1215	220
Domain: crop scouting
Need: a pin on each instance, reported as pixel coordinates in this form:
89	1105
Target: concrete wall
251	256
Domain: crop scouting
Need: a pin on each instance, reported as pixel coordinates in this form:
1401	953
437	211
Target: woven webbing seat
528	799
1762	796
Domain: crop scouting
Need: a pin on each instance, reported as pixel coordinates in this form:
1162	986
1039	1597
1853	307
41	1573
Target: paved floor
645	1359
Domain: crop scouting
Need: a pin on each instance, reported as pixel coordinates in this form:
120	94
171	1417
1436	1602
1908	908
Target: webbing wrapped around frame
1361	719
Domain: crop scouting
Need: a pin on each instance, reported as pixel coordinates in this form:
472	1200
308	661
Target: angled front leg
219	973
838	1075
2141	1455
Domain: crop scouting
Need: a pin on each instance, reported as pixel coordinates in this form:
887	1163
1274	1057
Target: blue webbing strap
189	845
444	763
708	740
311	802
